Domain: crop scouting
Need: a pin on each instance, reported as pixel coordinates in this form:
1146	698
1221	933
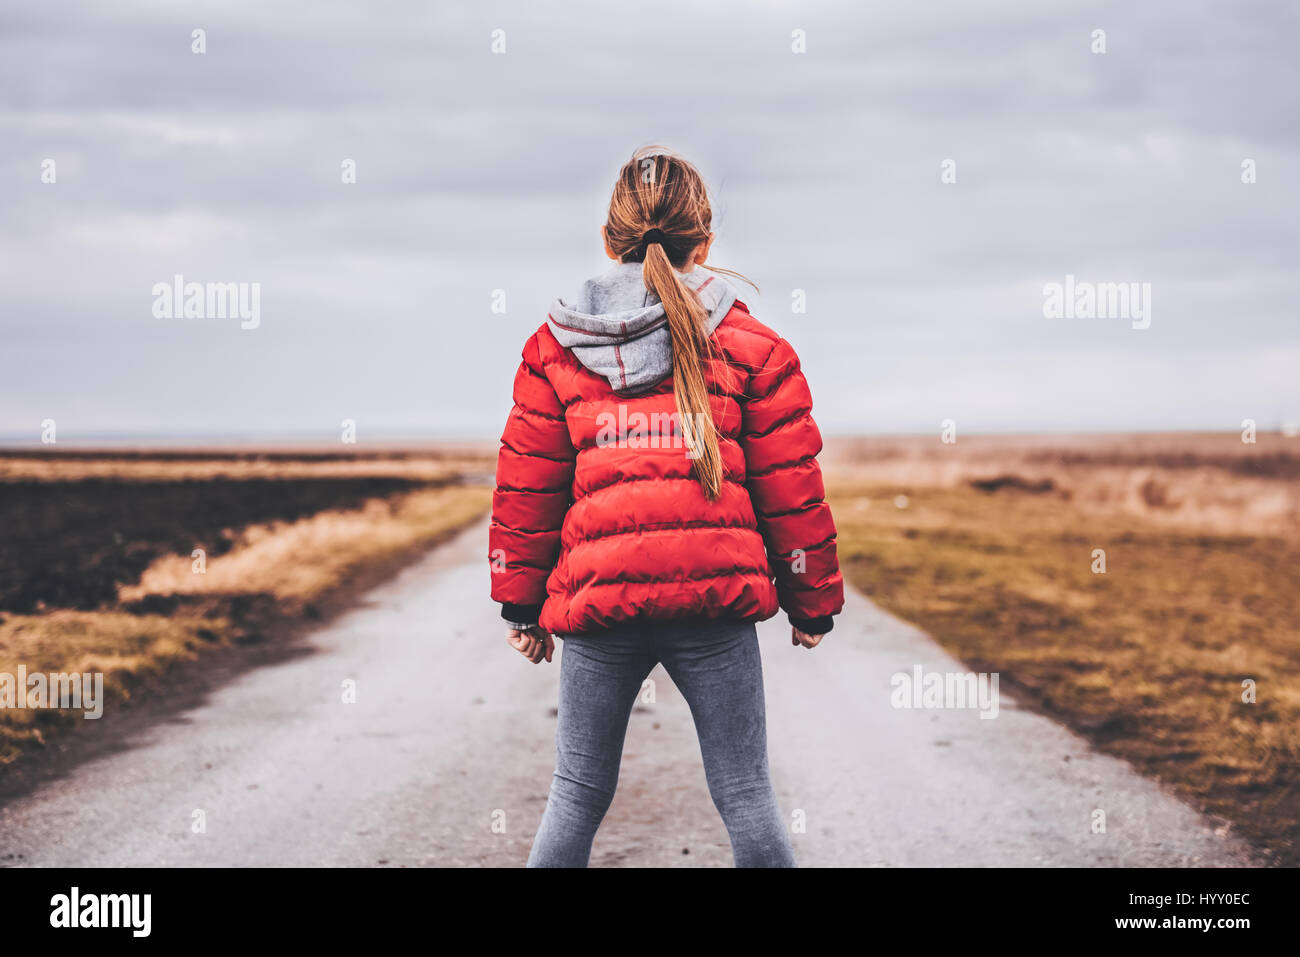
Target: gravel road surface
445	758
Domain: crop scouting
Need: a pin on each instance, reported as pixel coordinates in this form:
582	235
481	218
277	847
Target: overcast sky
479	171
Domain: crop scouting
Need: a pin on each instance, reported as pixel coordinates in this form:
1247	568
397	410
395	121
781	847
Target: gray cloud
479	172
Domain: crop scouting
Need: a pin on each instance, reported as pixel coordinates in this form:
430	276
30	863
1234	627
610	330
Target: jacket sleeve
534	485
781	442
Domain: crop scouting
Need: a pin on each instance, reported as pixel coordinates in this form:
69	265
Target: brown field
1205	481
989	545
96	566
410	464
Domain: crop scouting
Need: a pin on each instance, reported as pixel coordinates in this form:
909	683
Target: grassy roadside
268	574
1147	660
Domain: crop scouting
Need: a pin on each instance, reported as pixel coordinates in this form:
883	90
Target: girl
657	494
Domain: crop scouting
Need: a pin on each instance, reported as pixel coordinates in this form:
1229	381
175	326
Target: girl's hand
797	638
533	643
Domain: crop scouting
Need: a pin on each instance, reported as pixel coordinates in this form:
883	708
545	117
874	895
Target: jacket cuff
520	614
813	626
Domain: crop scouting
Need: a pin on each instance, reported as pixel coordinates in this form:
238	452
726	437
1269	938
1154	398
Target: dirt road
445	759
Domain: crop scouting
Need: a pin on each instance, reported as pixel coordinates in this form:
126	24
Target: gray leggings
716	667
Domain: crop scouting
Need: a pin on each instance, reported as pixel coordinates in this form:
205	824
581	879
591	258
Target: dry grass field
990	545
97	564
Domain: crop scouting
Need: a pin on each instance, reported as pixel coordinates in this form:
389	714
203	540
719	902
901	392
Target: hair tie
654	236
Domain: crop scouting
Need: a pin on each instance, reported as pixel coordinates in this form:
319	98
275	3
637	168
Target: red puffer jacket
588	533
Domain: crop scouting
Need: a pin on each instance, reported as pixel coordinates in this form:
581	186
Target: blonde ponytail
659	215
686	319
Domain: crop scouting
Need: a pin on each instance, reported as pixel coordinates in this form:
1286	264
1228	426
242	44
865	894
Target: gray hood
617	328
